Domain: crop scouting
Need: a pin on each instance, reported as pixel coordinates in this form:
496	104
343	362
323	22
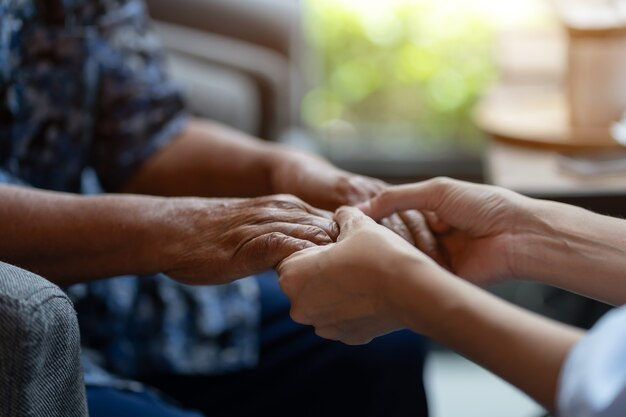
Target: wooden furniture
535	172
562	88
537	115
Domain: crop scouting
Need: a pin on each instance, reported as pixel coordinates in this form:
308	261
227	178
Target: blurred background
525	94
402	76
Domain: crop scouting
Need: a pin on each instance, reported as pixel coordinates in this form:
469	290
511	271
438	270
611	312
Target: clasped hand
349	290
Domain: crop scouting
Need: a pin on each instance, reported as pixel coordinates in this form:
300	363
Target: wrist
417	294
535	238
569	243
164	232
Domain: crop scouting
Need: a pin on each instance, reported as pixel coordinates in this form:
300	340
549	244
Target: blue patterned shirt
83	100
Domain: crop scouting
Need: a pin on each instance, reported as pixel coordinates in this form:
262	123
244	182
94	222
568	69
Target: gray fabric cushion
40	371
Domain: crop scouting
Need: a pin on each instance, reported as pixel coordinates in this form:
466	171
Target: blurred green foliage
415	64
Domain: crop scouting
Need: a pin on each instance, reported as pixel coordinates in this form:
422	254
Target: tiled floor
458	388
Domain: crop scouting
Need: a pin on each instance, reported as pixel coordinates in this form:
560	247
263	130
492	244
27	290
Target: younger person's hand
343	289
482	230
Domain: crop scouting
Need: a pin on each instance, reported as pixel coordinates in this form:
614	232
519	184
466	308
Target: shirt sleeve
593	379
138	108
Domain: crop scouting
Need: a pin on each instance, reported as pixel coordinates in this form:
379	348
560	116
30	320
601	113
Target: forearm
575	249
524	349
210	160
69	238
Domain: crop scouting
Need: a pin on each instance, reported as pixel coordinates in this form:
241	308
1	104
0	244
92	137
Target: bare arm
576	250
69	238
210	160
371	283
525	349
491	234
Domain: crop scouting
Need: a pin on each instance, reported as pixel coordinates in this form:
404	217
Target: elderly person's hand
212	241
323	185
345	289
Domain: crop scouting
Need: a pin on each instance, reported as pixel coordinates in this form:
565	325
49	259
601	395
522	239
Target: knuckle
316	233
345	186
384	194
287	198
442	188
285	282
326	333
357	340
272	201
441	182
287	202
273	240
298	315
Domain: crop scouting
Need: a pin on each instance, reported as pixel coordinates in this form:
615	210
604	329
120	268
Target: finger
289	203
350	338
435	223
295	270
398	225
299	316
424	238
268	250
304	219
327	225
427	195
313	234
328	332
296	261
315	211
349	219
370	186
319	212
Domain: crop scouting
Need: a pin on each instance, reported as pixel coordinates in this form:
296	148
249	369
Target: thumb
268	250
297	255
349	220
423	196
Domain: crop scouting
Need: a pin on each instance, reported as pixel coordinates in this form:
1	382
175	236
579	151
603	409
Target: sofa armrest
40	365
216	93
272	24
269	70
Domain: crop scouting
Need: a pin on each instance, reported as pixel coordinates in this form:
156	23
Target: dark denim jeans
298	374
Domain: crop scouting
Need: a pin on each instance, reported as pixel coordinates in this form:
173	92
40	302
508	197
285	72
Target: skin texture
240	222
69	238
475	225
371	282
210	160
489	234
234	238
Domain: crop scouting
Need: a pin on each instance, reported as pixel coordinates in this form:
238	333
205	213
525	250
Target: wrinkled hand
480	228
215	241
343	289
323	185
